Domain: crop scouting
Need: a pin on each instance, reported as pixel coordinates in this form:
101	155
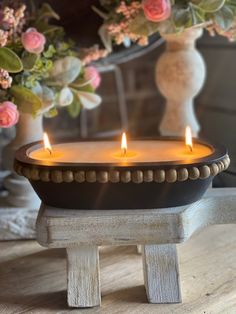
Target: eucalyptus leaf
46	95
46	11
65	70
9	61
211	5
75	107
224	18
89	100
65	97
26	100
141	26
46	28
51	113
181	16
29	60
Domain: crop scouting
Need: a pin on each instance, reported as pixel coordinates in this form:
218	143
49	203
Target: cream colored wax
110	152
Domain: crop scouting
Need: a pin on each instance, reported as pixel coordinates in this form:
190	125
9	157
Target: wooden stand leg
83	276
139	249
161	273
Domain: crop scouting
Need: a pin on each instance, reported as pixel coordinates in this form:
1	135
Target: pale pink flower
5	79
92	75
33	41
156	10
9	115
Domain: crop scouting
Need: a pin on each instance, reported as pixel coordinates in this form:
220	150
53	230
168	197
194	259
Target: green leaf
89	100
9	61
83	85
211	5
51	113
75	107
141	26
65	97
29	60
46	28
46	96
26	100
65	70
46	11
181	16
50	52
224	18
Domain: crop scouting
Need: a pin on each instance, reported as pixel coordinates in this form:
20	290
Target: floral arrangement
40	71
127	21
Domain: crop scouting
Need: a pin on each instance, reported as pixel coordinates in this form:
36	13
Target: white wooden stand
157	230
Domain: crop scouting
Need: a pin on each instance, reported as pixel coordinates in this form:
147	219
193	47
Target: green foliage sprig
39	80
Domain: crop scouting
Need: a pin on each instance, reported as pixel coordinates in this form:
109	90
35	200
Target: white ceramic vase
20	193
180	75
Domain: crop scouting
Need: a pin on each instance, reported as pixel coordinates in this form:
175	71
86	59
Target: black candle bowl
115	186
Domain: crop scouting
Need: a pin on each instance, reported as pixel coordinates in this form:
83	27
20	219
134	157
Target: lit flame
124	144
47	145
188	138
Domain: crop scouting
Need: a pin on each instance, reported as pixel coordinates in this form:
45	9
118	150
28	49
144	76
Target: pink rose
9	115
91	74
33	41
156	10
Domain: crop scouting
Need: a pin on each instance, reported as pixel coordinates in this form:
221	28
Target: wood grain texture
64	227
161	273
83	276
33	279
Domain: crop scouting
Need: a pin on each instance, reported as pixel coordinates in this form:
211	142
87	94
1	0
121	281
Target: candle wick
124	151
190	148
49	150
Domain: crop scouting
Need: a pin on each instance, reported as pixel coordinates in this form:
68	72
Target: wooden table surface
33	279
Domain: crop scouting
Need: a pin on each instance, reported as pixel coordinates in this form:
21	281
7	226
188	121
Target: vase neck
182	41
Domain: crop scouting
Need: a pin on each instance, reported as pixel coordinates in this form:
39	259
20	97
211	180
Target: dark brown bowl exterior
118	186
119	195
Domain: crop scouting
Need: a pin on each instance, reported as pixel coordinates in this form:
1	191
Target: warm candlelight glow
47	145
188	138
124	144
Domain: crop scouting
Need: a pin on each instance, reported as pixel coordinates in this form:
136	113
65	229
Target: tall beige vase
180	75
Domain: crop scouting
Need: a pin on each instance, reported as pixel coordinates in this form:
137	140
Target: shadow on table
33	303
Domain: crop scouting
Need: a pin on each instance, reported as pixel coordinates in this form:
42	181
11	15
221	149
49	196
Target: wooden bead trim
115	176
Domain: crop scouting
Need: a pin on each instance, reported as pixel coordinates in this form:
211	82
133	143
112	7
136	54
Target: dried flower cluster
136	20
5	79
121	31
11	23
92	54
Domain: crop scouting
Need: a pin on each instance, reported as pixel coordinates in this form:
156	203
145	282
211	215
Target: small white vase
180	75
20	193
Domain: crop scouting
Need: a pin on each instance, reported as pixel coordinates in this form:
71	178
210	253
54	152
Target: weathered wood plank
83	276
62	228
161	273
